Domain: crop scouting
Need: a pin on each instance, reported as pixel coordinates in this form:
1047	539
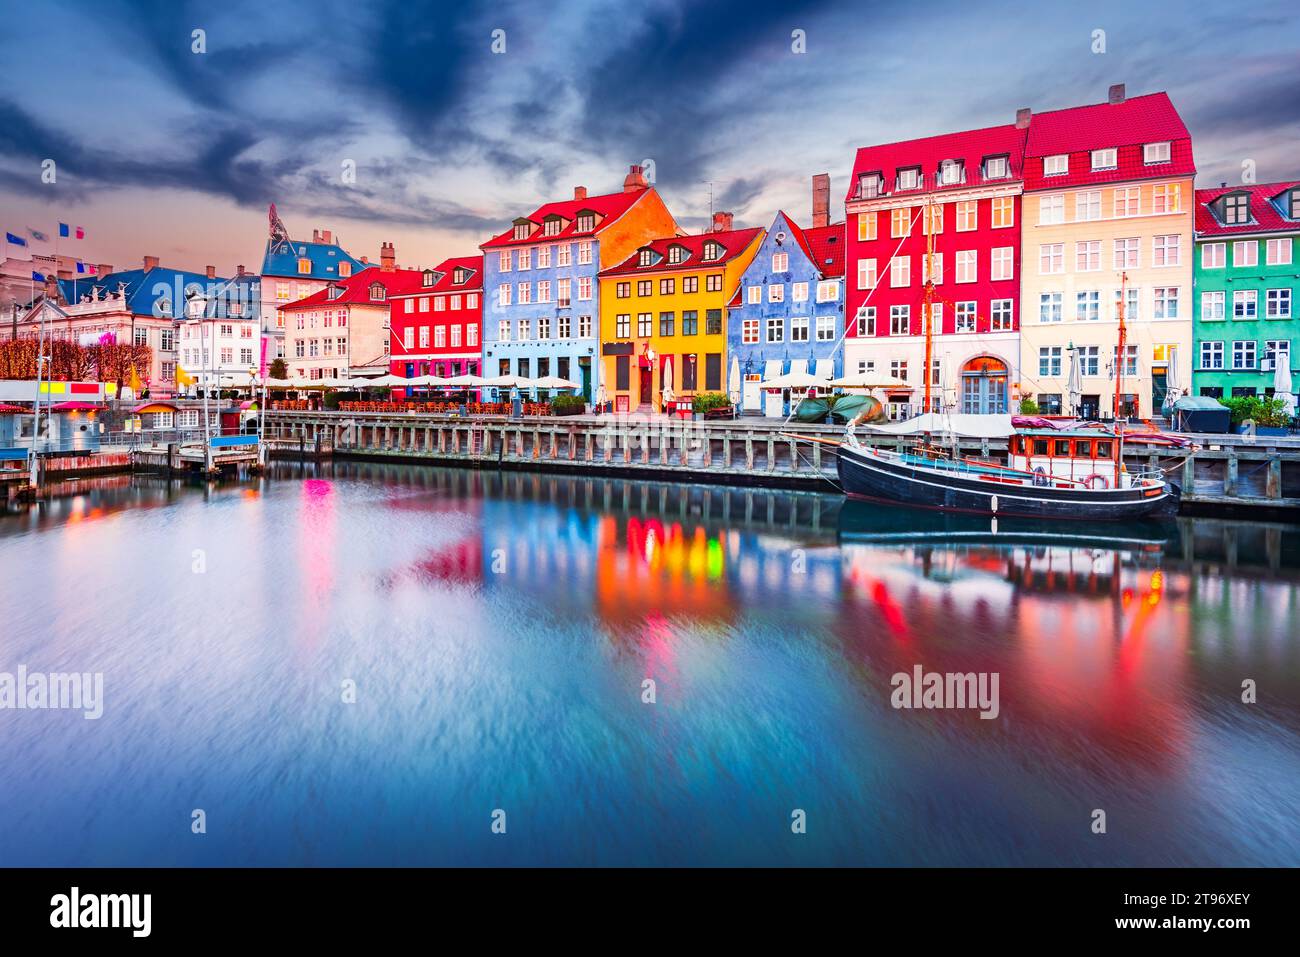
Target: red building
436	327
975	181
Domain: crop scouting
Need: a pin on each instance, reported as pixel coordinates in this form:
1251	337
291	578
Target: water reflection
500	627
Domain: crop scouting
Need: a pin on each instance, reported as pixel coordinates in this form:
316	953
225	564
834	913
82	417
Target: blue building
788	313
541	294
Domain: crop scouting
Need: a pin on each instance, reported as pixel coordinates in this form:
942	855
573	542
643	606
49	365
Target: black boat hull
871	477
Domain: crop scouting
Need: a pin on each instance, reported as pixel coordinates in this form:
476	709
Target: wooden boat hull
869	476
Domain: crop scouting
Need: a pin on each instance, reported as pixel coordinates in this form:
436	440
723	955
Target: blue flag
37	235
81	267
16	240
37	277
63	230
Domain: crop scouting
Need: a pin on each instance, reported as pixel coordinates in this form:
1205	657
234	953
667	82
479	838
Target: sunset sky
167	152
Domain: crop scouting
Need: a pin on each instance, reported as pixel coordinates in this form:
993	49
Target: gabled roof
608	208
1265	215
970	147
281	259
140	287
356	289
447	281
827	244
733	243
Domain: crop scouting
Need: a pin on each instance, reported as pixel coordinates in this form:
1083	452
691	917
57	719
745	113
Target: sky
432	125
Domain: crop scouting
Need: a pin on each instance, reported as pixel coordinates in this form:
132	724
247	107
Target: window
865	321
166	341
503	261
690	284
409	306
543	291
564	254
1166	302
1051	210
967	215
645	287
754	294
951	172
965	317
424	337
1004	212
938	269
1245	253
776	292
584	288
866	227
900	271
1236	208
471	300
645	324
1212	305
562	292
623	290
932	219
1128	253
780	262
586	222
898	369
667	320
1087	256
712	251
503	294
1104	159
1089	360
690	322
1212	255
551	227
900	223
522	230
799	292
828	290
584	253
544	252
1049	307
749	332
1087	305
900	320
775	329
676	254
1001	315
1130	304
799	329
1154	153
471	335
1128	201
1278	351
667	287
1167	251
525	293
1051	258
1245	304
1166	198
1049	360
869	185
825	328
440	337
543	327
713	322
1243	354
866	274
525	259
996	167
564	327
1279	252
1277	303
1002	263
623	326
909	178
967	265
525	330
1057	165
304	267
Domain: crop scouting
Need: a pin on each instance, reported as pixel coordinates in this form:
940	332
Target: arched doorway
984	386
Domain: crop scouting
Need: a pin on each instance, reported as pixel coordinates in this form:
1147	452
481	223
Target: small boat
1074	474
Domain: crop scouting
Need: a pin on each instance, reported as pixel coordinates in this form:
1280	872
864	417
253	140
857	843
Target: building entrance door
646	379
1159	386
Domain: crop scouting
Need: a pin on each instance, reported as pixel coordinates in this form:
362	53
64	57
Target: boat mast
1119	374
928	307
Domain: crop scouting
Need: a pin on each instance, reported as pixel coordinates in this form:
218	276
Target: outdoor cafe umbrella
554	382
667	376
1075	384
1282	387
733	381
867	380
388	381
1173	389
800	381
467	380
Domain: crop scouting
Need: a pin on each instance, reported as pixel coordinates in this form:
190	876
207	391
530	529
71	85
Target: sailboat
1075	473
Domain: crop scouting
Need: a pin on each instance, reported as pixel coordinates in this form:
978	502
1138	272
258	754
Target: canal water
357	663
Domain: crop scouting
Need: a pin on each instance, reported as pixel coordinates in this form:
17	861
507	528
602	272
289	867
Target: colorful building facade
541	305
1247	281
965	189
1108	206
787	314
663	315
435	330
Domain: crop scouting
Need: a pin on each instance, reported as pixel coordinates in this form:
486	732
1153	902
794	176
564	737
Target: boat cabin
1084	456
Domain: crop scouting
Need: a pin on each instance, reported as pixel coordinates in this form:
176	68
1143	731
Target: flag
37	277
16	240
81	233
64	231
183	377
91	268
81	267
37	235
136	385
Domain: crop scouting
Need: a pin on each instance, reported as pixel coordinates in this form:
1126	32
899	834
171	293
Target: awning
145	408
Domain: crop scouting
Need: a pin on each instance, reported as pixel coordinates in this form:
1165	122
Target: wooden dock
1227	474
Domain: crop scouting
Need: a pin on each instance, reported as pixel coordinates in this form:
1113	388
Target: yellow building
663	315
1109	204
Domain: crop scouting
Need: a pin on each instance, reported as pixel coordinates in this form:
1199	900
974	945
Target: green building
1246	279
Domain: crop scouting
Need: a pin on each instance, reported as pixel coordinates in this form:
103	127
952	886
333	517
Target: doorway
1159	388
646	381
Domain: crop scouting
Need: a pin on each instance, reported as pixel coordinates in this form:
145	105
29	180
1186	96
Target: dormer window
648	257
522	229
553	226
345	269
334	291
1057	165
304	266
676	254
909	178
869	185
460	276
1291	203
996	167
1154	153
951	173
712	251
1105	159
429	277
377	292
1235	209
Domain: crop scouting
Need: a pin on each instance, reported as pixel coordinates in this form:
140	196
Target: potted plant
568	405
1258	415
711	405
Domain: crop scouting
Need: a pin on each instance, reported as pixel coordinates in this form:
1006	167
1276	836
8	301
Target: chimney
387	257
1022	118
821	200
579	192
635	180
721	222
239	270
1116	94
326	237
211	271
150	262
315	235
365	260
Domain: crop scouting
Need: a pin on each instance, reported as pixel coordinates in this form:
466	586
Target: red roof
1125	126
607	209
78	407
356	289
473	282
733	243
1265	216
827	243
969	147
